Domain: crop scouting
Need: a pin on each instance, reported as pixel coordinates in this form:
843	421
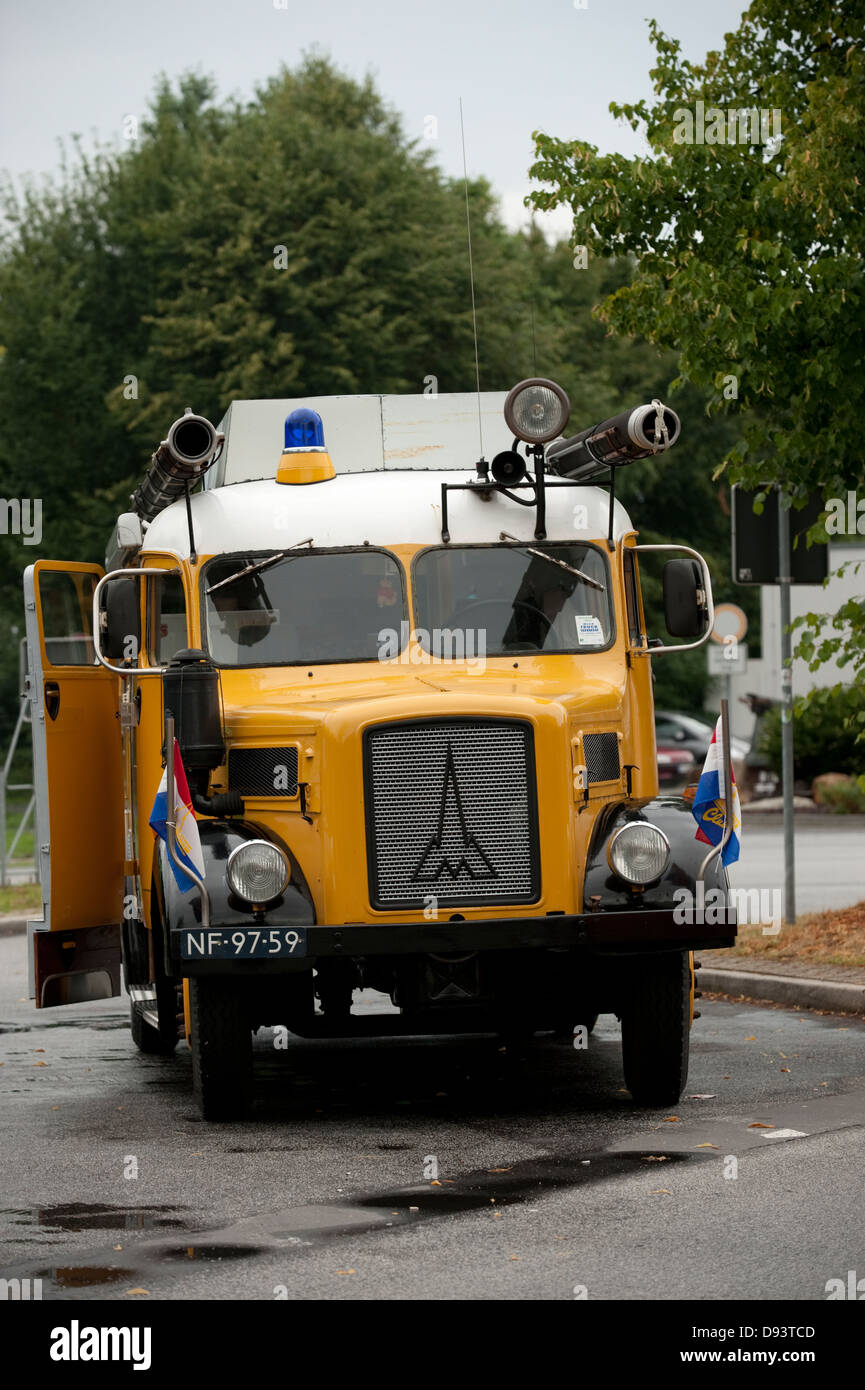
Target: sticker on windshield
589	630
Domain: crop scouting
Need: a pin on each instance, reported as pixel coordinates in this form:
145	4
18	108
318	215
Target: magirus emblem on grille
452	850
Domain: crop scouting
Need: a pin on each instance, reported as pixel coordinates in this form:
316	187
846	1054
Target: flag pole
171	824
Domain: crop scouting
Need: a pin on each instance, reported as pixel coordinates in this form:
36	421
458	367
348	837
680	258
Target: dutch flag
709	810
188	841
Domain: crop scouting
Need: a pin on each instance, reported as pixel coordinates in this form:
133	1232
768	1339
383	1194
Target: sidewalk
794	982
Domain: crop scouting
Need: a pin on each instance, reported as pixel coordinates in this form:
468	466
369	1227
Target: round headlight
638	852
257	871
536	410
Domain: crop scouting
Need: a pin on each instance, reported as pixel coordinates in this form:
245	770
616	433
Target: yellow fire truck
411	690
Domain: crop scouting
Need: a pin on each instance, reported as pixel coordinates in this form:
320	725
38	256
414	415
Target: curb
785	989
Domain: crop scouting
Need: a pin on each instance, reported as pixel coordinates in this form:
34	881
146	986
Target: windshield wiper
257	566
530	550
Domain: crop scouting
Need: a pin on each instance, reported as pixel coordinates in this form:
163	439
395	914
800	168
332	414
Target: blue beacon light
304	431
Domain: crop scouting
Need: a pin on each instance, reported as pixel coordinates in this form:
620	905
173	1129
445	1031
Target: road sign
729	660
730	621
756	544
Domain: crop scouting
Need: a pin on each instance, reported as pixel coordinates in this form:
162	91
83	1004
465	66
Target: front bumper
592	933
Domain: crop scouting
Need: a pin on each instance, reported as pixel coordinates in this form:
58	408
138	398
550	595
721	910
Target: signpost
728	657
763	553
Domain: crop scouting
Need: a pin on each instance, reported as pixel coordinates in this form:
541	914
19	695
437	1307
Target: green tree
748	250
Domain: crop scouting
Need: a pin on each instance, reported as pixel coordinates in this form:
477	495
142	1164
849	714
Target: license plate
242	943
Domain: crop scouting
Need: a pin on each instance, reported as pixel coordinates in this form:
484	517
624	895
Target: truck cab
411	694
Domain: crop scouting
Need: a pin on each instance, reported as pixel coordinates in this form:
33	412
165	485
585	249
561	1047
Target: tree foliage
748	252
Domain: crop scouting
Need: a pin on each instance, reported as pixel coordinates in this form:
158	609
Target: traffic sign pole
785	579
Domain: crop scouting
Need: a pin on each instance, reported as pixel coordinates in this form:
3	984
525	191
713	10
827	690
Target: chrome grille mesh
451	813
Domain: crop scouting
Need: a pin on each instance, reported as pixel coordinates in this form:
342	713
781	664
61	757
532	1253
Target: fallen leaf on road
785	1068
654	1158
434	1182
346	1271
40	1064
750	1040
725	1078
515	1257
757	1124
144	1291
118	1247
783	1054
499	1170
39	1049
672	1120
660	1192
705	1146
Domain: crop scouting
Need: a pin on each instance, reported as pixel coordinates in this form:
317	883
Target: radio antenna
472	279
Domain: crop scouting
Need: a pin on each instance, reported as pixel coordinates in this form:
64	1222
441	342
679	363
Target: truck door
77	773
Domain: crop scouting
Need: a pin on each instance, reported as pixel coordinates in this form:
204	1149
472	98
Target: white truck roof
413	443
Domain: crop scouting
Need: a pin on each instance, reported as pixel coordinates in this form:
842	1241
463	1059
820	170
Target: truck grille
451	813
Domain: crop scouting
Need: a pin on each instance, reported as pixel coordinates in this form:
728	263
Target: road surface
438	1169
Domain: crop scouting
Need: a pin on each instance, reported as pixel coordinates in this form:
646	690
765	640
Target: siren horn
187	452
634	434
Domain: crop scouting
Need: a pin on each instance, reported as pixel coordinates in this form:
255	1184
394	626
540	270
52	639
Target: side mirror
121	621
685	611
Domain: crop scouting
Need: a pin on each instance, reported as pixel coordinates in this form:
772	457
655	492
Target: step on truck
398	646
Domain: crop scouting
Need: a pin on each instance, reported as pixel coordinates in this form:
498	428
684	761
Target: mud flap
74	966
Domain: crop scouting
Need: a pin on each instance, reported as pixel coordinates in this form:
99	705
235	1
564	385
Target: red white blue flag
709	810
186	826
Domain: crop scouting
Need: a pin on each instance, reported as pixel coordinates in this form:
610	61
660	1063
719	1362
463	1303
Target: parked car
684	732
676	764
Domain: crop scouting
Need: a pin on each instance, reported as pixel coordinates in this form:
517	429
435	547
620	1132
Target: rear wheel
656	1030
221	1042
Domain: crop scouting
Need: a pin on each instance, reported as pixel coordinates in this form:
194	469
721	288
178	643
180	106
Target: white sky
83	65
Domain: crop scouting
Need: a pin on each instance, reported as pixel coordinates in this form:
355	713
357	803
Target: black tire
221	1042
656	1030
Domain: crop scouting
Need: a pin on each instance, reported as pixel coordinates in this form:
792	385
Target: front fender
672	815
218	838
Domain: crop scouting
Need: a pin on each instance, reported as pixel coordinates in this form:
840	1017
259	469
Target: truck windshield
503	599
306	608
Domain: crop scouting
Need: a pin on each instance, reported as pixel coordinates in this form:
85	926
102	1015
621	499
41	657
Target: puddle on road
86	1276
84	1216
211	1254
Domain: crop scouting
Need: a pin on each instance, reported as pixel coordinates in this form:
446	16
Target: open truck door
74	951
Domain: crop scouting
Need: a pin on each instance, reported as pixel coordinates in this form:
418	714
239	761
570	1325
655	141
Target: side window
632	599
167	624
67	617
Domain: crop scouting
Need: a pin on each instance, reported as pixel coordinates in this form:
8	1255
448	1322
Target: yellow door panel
77	751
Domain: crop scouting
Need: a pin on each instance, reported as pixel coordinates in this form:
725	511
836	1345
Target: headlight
536	410
257	871
638	852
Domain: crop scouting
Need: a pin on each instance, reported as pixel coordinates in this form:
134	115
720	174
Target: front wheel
656	1030
221	1042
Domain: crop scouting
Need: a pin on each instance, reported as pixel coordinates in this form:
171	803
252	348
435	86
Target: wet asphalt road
549	1179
